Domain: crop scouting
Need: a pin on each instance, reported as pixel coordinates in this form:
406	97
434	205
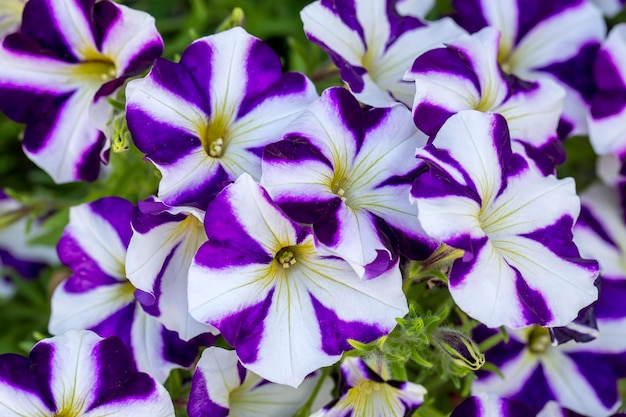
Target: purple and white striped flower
373	45
10	16
99	297
466	75
514	225
344	170
581	377
608	107
67	58
160	252
487	405
79	374
366	394
285	308
205	120
539	39
221	387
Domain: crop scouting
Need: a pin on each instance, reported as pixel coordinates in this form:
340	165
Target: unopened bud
462	350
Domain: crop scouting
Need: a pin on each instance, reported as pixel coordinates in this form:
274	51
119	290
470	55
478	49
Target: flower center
214	136
97	69
539	340
286	257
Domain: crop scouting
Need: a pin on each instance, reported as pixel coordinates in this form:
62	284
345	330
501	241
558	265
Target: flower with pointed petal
160	252
485	405
465	75
10	16
366	394
79	374
99	297
205	120
555	39
345	170
373	45
67	58
514	225
221	387
285	308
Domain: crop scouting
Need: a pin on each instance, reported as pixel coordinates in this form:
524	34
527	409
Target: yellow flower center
213	136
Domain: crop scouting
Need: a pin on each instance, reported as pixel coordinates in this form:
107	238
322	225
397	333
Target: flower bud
462	350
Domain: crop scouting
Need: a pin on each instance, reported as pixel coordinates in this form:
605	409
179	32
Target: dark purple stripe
118	379
429	117
512	408
336	332
501	353
348	112
87	273
295	148
588	219
118	324
469	14
346	11
547	156
436	183
610	98
610	304
118	213
533	12
176	350
197	60
450	61
557	238
200	404
600	374
534	306
229	243
25	268
289	84
32	374
536	391
244	329
327	228
150	215
162	143
502	142
263	71
89	164
463	266
471	407
40	25
399	25
201	195
577	71
105	15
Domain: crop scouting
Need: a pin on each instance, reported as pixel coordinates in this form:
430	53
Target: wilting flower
366	394
221	387
514	225
466	75
79	374
285	308
10	16
99	297
486	405
373	45
540	39
160	252
608	108
206	120
345	170
67	58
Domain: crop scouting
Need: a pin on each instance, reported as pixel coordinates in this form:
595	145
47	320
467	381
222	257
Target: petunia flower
205	120
66	59
99	297
514	225
366	394
486	405
221	387
16	233
284	307
466	75
160	251
345	170
79	374
544	39
608	109
373	45
10	16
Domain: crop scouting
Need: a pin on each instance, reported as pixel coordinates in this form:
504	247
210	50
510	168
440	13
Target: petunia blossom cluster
305	249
